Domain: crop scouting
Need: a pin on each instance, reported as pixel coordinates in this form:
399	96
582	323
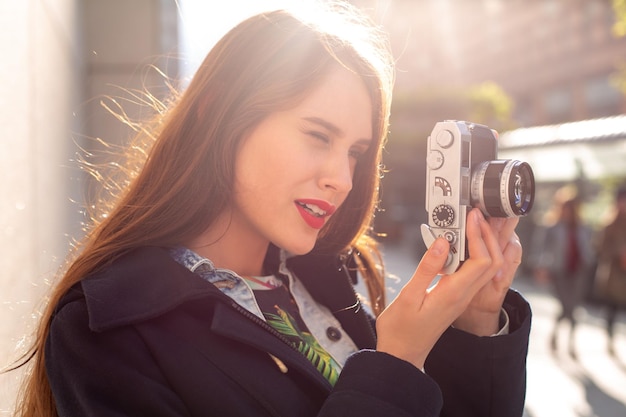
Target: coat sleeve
90	372
377	384
484	376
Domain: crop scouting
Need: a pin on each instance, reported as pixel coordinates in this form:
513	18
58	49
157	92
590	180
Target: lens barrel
503	188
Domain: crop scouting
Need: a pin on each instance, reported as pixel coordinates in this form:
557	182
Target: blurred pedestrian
565	262
611	276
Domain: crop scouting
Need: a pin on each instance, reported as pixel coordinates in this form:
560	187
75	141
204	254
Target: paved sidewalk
593	385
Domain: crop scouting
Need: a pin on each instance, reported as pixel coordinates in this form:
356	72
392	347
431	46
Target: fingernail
478	216
439	246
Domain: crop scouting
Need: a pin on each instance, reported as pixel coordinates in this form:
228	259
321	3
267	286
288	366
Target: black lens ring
493	188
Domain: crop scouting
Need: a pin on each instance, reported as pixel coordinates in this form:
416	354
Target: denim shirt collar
317	318
227	281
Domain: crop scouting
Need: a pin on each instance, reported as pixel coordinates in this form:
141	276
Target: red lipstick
315	212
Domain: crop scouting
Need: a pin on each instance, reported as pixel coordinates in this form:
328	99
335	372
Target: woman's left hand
482	316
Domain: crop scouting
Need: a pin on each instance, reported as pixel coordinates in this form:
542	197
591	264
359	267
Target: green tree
619	27
490	105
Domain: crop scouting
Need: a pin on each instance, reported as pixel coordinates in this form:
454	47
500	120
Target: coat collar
138	286
147	282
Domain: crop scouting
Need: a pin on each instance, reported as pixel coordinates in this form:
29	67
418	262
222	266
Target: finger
508	229
497	223
484	249
482	240
470	275
459	288
492	241
473	233
512	259
432	262
504	228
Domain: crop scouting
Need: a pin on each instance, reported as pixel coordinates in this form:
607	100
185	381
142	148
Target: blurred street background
592	384
549	75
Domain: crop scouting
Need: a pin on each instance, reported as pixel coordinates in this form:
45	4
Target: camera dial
443	215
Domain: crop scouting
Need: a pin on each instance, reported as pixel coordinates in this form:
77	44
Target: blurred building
587	155
555	58
593	148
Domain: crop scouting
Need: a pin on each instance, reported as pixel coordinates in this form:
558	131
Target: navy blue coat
147	337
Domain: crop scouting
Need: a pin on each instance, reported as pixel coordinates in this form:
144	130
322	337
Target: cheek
261	176
252	165
363	183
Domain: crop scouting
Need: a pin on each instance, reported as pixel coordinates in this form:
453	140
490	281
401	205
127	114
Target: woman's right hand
411	325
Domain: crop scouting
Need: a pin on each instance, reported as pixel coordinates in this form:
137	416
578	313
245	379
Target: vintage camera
462	172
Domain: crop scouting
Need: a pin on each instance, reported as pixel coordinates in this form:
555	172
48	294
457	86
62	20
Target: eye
357	152
319	136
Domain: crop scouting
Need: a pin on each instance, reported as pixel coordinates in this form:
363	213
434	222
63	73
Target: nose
337	174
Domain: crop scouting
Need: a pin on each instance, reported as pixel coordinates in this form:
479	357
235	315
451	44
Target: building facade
554	58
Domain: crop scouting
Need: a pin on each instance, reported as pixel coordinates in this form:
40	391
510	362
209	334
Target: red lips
315	212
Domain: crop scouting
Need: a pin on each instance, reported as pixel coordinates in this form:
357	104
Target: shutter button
333	333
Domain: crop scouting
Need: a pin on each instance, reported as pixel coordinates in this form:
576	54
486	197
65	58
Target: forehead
343	100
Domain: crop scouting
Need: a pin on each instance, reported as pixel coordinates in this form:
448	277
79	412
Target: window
601	97
558	105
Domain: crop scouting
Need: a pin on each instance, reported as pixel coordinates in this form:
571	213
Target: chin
300	250
302	247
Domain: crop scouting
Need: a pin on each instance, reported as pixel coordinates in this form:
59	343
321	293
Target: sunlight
203	23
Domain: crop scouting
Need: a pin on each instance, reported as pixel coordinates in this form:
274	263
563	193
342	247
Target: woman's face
295	169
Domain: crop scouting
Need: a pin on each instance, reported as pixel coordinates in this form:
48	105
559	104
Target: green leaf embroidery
308	345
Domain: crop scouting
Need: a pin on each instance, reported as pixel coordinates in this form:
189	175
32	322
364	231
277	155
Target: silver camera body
462	172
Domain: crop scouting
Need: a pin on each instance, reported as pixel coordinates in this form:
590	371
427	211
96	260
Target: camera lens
503	188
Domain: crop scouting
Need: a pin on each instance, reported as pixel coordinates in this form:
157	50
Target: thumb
431	264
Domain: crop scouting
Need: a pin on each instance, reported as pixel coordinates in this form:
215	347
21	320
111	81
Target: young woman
220	283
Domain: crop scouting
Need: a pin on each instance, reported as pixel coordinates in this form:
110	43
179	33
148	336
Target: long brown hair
267	63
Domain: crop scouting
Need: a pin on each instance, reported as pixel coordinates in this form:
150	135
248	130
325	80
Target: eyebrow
334	129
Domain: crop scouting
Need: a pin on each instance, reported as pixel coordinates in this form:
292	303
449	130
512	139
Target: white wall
58	58
38	72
